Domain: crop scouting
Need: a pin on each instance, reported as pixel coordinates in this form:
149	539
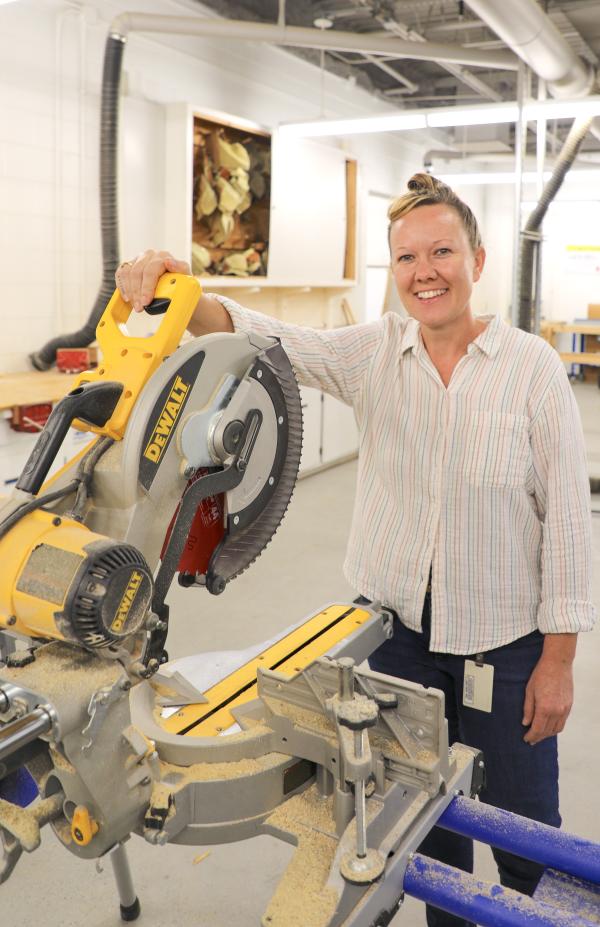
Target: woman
471	518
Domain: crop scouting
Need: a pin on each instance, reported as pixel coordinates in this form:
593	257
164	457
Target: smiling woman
437	256
471	520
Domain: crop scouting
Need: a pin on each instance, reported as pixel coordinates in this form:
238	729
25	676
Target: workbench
578	329
31	387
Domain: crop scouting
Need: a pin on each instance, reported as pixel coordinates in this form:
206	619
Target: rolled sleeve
333	360
562	493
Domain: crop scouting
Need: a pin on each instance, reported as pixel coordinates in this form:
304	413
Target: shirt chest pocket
496	449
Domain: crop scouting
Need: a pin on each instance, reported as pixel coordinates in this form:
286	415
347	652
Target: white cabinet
340	432
311	428
330	433
308	213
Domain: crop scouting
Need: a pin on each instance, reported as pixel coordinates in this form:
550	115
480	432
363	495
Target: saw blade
250	530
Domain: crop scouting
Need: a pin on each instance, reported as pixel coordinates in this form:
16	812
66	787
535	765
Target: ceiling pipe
300	37
532	35
525	28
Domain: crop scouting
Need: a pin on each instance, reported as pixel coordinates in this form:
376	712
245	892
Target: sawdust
21	824
180	776
201	858
161	795
427	757
302	717
387	745
162	690
302	897
570	894
60	762
59	669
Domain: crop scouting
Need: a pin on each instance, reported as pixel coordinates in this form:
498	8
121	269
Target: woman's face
434	266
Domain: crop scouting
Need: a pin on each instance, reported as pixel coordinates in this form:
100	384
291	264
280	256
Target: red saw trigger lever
206	533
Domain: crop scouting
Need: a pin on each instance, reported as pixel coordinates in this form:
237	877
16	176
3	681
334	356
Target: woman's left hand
548	699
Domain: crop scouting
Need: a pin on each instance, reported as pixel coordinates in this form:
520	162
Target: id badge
478	684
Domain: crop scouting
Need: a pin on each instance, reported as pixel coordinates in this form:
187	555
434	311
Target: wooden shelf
583	328
581	357
32	387
218	283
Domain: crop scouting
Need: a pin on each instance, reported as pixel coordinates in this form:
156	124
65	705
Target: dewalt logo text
126	602
166	420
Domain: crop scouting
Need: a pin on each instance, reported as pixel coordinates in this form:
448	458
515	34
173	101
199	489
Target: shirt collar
488	342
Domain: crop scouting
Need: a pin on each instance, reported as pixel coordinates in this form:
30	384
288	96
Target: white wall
572	219
50	78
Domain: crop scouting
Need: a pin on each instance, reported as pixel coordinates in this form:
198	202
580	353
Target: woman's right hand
137	279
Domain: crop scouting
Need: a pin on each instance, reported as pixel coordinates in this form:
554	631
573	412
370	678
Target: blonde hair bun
426	190
425	183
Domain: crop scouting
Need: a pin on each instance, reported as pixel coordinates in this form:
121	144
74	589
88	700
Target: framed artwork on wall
231	190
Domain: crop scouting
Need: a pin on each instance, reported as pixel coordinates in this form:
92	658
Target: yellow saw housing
61	581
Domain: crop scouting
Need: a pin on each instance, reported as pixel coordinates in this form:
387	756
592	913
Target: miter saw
193	461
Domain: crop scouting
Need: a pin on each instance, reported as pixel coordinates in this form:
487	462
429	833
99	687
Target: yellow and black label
167	419
127	600
165	416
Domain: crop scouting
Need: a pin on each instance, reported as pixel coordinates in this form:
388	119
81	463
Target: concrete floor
298	574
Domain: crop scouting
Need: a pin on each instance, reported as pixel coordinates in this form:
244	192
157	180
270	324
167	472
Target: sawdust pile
302	896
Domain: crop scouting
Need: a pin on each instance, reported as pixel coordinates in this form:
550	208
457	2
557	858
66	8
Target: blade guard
131	360
248	532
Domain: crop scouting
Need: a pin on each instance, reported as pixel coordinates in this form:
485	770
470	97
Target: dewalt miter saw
195	460
194	455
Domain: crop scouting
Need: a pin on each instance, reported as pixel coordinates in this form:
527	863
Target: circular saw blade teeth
240	548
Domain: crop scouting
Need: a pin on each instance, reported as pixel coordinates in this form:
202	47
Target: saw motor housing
61	581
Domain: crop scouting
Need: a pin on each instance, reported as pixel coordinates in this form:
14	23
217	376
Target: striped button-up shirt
483	482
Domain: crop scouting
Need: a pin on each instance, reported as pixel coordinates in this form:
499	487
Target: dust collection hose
109	222
530	248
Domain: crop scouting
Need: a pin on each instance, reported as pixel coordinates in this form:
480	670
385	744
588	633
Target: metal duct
109	220
299	37
531	240
526	29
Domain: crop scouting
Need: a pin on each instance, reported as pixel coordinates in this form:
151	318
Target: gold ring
125	264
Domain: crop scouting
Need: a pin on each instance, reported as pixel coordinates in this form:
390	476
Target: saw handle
93	403
131	360
157	306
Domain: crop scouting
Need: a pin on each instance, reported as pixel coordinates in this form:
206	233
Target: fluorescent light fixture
444	117
505	177
472	115
562	109
393	123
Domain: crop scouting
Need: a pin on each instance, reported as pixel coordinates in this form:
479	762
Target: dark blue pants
519	778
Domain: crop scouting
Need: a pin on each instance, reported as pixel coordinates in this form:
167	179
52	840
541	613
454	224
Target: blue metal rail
549	846
483	903
491	905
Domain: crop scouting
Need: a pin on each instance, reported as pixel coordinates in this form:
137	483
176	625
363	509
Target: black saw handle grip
92	402
158	306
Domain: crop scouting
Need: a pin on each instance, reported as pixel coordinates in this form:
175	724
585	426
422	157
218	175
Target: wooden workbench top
33	386
574	328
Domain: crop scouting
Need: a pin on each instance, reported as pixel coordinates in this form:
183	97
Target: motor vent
111	595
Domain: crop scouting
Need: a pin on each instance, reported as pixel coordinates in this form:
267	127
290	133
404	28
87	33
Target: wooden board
29	388
577	328
580	357
351	195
